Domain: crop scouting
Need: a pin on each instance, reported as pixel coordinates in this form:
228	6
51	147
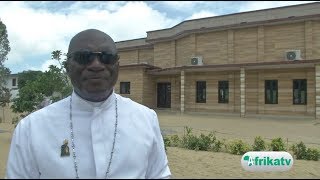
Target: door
164	95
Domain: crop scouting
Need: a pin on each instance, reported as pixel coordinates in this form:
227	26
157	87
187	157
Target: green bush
175	141
313	154
217	145
238	147
299	150
277	144
259	144
202	143
166	141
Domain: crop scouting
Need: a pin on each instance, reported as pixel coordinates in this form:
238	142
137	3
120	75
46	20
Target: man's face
93	80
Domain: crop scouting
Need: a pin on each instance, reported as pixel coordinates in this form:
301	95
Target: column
242	92
317	95
182	77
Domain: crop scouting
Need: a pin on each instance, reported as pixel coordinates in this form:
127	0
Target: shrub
166	141
259	144
174	140
277	144
299	150
216	147
313	154
238	147
302	152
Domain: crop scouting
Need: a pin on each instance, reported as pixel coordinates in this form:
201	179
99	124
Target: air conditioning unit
196	61
293	55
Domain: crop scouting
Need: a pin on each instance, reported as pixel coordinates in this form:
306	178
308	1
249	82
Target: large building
258	62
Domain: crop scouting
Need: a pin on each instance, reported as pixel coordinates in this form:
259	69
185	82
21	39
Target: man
108	136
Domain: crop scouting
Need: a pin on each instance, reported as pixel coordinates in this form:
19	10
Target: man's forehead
92	40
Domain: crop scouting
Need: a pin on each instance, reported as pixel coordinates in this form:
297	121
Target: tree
4	50
36	86
5	96
26	76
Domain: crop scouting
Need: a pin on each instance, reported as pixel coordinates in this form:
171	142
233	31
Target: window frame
300	88
224	85
199	95
269	83
126	85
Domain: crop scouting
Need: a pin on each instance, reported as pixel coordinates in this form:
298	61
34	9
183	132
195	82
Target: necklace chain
73	146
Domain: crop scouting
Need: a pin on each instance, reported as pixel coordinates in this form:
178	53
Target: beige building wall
213	47
316	39
134	76
149	91
184	50
128	57
146	56
162	55
255	91
280	38
245	45
212	79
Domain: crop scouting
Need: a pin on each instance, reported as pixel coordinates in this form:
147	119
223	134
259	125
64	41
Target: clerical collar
86	105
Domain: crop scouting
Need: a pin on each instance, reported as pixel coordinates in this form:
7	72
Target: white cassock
139	152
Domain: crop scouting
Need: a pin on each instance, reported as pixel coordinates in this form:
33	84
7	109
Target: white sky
35	29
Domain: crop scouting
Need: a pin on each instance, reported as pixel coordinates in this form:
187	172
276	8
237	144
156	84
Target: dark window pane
124	87
299	89
223	91
271	91
201	92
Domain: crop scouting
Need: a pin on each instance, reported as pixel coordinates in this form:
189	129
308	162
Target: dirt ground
199	164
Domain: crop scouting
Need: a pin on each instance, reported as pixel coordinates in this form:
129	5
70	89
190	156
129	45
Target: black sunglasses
87	57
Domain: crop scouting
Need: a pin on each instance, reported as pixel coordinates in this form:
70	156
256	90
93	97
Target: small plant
174	140
299	150
313	154
166	141
302	152
277	144
259	144
238	147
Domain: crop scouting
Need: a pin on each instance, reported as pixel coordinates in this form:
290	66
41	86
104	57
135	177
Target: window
14	82
124	87
271	91
299	91
223	92
201	92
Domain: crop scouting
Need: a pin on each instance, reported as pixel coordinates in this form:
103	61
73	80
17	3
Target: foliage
277	144
4	43
300	151
26	76
166	141
203	142
238	147
175	141
258	144
4	50
36	86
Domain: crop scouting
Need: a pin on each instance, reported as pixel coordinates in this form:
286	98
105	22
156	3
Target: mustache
104	75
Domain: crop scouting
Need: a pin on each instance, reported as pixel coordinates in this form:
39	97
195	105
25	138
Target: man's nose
96	64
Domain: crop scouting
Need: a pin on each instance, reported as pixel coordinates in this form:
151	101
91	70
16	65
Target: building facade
258	62
12	85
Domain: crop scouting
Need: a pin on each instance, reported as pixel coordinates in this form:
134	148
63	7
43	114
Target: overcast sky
35	29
